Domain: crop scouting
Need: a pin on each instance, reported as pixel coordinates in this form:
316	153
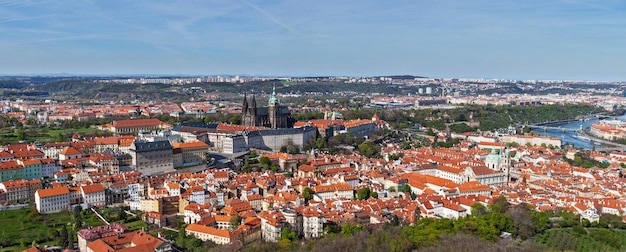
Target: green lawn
81	131
135	225
112	215
90	219
18	230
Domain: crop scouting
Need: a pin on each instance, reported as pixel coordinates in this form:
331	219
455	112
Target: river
571	137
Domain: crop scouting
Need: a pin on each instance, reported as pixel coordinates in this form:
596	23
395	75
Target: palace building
273	116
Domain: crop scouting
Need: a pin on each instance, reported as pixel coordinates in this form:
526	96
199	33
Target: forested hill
13	84
482	231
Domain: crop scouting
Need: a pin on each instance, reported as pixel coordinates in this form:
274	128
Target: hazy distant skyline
560	39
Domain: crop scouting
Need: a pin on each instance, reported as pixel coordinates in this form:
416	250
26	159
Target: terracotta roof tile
43	193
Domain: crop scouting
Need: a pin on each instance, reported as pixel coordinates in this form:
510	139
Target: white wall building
52	200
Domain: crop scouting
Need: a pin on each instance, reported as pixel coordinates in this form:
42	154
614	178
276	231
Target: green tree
265	160
478	209
70	239
122	215
63	239
273	167
350	229
406	145
587	164
20	134
34	215
235	221
307	193
500	205
363	193
234	119
430	132
369	149
404	188
287	233
320	143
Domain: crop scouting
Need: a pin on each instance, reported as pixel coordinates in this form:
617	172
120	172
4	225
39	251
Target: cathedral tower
273	108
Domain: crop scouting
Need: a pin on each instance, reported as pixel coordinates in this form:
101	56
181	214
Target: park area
20	228
23	228
42	135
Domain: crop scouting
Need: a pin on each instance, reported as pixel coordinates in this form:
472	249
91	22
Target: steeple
244	108
253	105
273	100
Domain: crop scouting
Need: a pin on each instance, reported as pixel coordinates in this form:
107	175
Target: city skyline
480	39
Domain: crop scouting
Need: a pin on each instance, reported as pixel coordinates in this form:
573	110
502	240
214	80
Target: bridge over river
575	130
553	128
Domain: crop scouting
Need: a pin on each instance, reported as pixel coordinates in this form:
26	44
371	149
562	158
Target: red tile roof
209	230
190	145
70	151
43	193
138	123
10	165
95	188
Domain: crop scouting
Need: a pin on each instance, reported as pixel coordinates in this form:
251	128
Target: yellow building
193	152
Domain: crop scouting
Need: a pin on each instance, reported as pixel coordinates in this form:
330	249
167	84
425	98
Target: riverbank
572	138
603	144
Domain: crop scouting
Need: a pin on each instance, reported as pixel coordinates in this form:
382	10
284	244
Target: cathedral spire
244	108
273	99
253	105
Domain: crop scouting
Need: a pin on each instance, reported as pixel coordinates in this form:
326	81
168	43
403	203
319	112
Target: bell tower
273	106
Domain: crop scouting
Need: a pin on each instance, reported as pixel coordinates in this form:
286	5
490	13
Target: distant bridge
611	148
557	122
552	128
580	118
605	145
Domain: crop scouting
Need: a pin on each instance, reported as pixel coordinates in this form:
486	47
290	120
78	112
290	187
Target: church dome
493	157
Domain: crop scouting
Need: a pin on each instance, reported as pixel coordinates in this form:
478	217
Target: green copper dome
493	157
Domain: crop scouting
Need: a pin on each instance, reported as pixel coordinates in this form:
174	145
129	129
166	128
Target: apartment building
93	195
152	157
52	200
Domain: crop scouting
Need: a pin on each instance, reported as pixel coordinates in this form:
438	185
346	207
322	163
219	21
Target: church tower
248	112
273	116
254	120
273	107
245	120
506	164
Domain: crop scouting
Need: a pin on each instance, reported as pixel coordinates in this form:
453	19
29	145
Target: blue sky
559	39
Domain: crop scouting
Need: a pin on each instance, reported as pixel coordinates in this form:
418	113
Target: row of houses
60	198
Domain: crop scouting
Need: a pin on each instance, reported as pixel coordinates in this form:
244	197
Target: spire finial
273	99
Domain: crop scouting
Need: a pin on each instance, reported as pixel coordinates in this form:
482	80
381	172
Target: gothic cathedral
273	116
